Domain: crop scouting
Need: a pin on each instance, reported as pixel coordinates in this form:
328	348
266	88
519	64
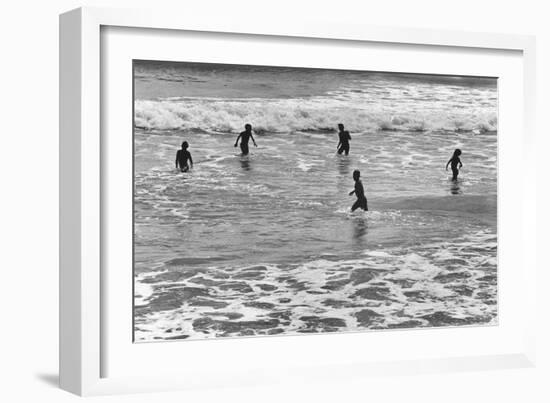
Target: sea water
266	244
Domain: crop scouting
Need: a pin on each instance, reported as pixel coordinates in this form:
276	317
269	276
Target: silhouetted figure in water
359	192
455	163
245	136
182	157
343	140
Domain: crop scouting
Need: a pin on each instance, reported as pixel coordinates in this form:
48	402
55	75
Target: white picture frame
83	307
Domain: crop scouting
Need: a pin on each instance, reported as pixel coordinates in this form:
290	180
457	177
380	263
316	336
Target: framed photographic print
235	203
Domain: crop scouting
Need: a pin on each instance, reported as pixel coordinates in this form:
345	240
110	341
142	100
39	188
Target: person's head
457	152
340	126
185	145
248	127
356	175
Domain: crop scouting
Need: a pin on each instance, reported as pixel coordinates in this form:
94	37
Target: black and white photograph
273	200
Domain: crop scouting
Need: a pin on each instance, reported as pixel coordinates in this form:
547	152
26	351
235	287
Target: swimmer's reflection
360	229
455	187
343	164
245	164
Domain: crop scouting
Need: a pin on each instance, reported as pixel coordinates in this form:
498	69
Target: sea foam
302	114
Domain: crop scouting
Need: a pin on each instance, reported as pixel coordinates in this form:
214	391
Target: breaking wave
305	114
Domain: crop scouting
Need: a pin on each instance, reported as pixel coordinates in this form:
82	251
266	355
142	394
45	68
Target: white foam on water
305	165
320	113
370	214
143	291
325	295
307	203
377	254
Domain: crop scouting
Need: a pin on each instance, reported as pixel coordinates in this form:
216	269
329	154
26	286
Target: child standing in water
182	156
359	192
245	136
455	163
343	140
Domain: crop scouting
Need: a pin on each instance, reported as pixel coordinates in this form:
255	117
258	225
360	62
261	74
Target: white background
29	213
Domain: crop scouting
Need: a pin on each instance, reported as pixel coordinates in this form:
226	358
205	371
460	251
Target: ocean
266	244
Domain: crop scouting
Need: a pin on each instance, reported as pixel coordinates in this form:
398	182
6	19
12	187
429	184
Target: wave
305	114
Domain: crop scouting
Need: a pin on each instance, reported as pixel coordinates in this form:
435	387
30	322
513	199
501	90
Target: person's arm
349	136
177	158
447	166
352	192
191	160
339	142
236	141
460	162
254	141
